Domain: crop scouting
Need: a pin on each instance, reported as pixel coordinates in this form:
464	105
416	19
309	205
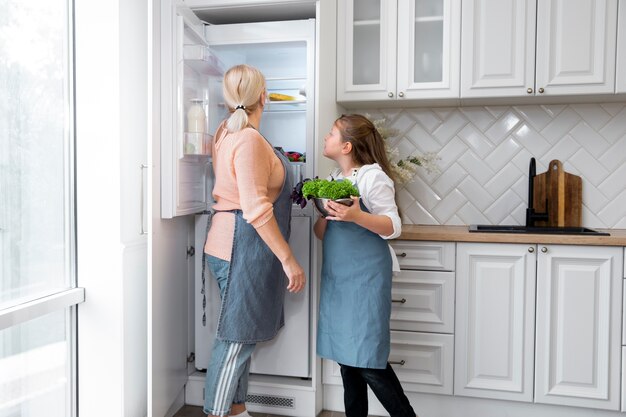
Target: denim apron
253	300
355	296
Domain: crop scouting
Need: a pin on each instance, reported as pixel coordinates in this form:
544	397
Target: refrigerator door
190	80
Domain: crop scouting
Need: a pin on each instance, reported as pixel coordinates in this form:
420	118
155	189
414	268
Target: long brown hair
368	146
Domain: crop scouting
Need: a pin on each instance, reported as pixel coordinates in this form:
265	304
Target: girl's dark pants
385	385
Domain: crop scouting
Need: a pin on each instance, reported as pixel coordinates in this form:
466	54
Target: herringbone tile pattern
485	153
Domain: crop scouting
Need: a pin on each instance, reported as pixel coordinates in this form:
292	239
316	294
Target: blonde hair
242	88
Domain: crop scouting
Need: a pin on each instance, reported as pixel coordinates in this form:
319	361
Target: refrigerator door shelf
200	58
197	144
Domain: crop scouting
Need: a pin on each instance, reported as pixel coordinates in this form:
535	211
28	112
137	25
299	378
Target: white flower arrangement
404	169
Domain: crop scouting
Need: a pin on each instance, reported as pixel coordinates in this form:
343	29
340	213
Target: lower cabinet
495	321
579	303
422	361
576	331
624	379
422	316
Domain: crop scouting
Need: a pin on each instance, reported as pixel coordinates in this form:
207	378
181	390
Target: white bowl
321	202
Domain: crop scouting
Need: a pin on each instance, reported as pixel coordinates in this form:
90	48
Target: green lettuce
319	188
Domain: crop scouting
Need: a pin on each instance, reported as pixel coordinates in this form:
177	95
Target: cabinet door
429	40
578	326
576	46
495	317
620	70
498	48
366	50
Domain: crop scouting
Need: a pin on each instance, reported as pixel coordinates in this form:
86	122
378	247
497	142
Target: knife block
562	192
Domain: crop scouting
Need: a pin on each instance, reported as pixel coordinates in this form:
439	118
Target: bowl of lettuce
321	191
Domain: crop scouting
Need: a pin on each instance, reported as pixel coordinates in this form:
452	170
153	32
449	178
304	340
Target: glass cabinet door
428	48
366	49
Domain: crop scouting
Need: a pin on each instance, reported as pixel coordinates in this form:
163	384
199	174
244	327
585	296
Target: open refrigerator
284	52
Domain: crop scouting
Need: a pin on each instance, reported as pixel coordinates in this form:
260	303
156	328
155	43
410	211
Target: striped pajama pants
227	377
229	366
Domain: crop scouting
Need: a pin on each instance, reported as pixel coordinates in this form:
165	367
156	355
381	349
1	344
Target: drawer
423	301
424	362
425	255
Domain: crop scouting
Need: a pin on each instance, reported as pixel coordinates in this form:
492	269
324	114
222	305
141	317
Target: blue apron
252	305
355	296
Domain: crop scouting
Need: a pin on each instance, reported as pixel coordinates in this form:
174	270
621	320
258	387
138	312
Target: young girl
355	300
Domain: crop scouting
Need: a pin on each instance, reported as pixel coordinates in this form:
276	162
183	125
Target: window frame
37	305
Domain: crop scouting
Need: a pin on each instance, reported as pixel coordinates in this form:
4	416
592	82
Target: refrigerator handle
142	231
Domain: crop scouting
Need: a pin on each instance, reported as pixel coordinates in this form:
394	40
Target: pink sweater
249	177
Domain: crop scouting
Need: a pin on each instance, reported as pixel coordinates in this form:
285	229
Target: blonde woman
246	248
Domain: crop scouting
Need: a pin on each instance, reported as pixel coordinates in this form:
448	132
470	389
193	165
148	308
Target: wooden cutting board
563	194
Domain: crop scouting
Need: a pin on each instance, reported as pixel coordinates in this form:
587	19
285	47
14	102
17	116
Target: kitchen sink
489	228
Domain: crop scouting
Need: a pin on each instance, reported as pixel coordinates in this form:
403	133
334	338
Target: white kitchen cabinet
620	70
578	328
623	408
436	256
538	47
624	313
423	301
495	317
423	362
397	49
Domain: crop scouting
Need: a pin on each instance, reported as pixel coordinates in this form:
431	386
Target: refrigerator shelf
202	60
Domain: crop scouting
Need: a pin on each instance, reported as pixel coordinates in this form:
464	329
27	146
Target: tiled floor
191	411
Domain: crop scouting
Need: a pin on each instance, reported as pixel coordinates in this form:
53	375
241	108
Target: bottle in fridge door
284	52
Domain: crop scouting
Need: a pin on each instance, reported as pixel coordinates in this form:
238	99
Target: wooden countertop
461	234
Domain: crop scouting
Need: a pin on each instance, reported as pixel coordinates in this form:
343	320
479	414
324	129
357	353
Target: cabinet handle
401	255
529	91
402	301
541	90
390	94
531	249
544	249
400	94
142	231
402	362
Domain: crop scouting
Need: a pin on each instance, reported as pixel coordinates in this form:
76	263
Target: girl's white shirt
378	195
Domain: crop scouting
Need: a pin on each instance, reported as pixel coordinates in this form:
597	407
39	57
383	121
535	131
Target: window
37	231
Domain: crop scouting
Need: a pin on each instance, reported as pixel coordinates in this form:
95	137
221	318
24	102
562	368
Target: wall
485	153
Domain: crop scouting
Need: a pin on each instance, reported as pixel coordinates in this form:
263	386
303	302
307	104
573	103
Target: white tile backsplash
485	153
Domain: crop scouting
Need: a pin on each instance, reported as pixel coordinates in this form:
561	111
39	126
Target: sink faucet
531	215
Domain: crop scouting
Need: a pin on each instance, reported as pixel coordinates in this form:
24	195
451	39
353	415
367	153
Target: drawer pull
402	301
402	362
401	255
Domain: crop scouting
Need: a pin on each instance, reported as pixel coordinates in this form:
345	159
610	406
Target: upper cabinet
513	48
398	49
620	73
